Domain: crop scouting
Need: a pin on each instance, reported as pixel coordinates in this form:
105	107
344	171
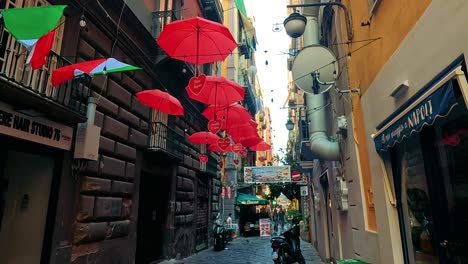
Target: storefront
31	156
424	144
251	209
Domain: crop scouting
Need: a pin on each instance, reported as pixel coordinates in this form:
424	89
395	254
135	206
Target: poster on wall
265	227
267	174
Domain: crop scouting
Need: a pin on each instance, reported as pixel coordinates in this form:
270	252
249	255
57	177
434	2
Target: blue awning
424	108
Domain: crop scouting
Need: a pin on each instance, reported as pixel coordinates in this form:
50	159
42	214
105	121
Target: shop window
414	195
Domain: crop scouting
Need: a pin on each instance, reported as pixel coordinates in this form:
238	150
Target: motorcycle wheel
280	259
218	244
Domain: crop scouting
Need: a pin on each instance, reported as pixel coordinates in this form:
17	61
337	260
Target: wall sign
35	129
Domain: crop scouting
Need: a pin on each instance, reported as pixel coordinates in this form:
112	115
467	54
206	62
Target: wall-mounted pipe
317	105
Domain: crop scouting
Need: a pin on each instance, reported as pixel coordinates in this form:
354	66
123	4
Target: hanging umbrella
203	137
262	146
217	91
94	67
250	141
161	101
230	115
33	27
197	40
243	129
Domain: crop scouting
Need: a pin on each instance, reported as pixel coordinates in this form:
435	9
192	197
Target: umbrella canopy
34	27
197	40
230	115
248	199
203	137
250	140
217	91
161	101
262	146
94	67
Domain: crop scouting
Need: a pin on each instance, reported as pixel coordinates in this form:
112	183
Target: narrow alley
245	250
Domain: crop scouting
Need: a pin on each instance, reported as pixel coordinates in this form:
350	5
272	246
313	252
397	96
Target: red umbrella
161	101
216	148
250	141
197	40
217	91
233	114
242	129
262	146
203	137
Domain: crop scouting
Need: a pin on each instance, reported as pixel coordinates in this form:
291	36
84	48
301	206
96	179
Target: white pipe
91	110
316	106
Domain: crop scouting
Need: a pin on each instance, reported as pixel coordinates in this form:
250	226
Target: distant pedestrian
281	218
229	219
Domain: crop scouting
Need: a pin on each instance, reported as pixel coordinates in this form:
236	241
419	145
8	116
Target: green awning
248	199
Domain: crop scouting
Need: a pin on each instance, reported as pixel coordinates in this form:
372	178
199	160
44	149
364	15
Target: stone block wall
107	185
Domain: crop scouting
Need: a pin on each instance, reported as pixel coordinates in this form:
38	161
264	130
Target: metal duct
316	107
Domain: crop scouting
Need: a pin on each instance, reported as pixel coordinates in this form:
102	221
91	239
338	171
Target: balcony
165	140
31	90
213	10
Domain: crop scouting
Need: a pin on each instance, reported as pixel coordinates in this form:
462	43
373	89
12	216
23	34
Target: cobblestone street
250	250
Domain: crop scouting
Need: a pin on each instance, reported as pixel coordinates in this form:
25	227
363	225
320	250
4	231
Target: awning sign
35	129
267	174
437	104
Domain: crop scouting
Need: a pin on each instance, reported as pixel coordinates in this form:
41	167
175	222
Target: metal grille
165	139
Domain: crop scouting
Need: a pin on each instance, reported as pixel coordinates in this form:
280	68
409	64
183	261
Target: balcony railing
166	140
22	81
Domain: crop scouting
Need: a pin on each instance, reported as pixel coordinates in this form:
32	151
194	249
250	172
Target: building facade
147	196
395	195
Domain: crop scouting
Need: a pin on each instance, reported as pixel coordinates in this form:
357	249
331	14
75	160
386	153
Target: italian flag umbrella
34	28
94	67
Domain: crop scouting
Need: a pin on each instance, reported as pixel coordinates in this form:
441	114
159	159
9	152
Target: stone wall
107	185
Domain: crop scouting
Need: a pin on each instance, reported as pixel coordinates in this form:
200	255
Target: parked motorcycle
220	234
287	247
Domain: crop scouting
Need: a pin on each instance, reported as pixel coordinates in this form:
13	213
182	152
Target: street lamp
295	23
289	125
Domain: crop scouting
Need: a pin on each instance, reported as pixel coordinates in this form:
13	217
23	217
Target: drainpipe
316	106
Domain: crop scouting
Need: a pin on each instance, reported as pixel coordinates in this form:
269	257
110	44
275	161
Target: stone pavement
244	250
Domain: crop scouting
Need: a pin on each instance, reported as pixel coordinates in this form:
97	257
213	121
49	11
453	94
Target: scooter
287	247
220	234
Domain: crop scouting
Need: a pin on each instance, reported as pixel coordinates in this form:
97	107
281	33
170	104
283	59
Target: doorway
26	186
152	215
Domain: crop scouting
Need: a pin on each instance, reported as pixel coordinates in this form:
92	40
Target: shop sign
35	129
267	174
412	119
304	191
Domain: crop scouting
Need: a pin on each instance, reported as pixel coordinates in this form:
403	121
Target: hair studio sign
35	129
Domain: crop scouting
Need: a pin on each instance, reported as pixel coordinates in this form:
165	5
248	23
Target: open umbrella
229	115
161	101
249	141
217	91
94	67
33	27
197	40
262	146
203	137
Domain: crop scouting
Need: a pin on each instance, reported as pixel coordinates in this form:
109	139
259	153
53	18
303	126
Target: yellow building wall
391	22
